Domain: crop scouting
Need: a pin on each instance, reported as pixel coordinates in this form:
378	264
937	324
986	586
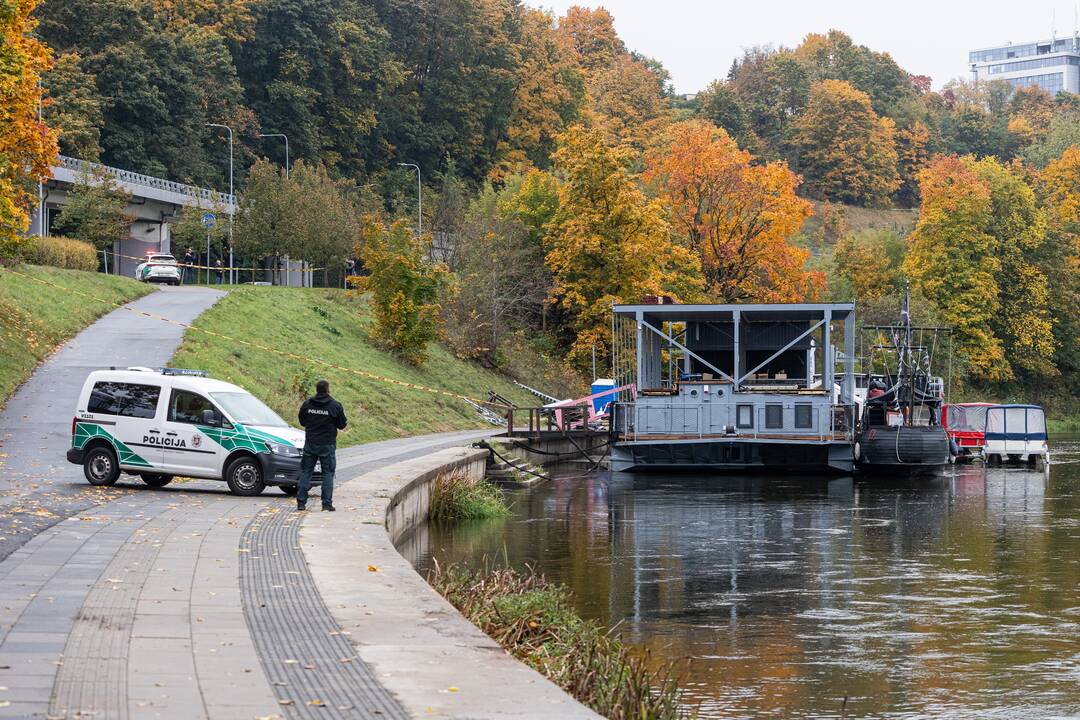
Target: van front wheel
101	467
244	476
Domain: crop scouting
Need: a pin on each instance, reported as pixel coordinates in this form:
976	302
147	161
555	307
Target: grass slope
35	319
332	326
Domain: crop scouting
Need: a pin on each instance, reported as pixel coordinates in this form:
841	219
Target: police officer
321	417
189	260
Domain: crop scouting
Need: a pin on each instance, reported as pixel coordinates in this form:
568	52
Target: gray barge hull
732	455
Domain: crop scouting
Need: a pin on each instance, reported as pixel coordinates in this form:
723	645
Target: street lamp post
419	200
232	200
286	138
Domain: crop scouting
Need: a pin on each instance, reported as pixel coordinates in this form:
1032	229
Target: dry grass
534	620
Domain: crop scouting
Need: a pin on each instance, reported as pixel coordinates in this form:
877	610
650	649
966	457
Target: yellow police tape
210	267
248	343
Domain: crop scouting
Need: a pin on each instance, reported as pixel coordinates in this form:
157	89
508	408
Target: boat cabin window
744	416
804	416
774	416
967	419
1036	422
1015	419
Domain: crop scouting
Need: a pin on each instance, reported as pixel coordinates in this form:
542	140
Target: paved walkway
38	487
184	602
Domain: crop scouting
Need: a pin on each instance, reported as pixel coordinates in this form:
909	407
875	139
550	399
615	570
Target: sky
696	40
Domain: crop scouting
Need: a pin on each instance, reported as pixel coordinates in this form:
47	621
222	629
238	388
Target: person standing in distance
321	417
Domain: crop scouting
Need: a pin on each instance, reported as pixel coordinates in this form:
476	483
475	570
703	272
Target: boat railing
832	422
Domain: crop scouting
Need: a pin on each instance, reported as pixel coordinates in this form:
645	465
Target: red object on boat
966	424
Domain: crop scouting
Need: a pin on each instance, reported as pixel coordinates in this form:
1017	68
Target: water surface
781	596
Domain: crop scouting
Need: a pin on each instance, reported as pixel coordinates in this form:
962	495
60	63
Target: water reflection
949	597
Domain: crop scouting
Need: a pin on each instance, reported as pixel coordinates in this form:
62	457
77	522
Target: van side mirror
209	417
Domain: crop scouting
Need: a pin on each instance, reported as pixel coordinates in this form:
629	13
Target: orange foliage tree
27	147
608	243
738	216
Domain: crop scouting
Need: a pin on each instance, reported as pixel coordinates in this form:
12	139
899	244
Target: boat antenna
905	318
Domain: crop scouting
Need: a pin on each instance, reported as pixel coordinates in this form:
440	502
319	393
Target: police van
159	424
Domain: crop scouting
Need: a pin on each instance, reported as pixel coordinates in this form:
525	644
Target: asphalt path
38	487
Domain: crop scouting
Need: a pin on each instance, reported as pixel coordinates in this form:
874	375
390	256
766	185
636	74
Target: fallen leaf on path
372	568
285	702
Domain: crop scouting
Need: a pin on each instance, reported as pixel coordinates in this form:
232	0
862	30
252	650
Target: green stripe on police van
241	438
84	432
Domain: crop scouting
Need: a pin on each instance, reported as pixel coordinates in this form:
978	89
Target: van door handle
171	433
154	432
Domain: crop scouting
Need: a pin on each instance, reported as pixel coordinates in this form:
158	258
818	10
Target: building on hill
1053	65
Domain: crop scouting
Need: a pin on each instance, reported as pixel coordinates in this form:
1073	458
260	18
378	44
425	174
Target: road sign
209	220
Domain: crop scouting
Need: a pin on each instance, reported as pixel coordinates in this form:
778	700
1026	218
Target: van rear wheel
244	476
156	480
101	467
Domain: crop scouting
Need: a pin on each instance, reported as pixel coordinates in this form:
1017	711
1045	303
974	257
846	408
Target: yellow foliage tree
1059	186
868	262
738	216
845	151
626	96
27	147
589	35
550	93
952	260
608	242
1019	226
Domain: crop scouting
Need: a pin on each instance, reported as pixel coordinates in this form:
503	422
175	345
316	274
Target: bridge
155	204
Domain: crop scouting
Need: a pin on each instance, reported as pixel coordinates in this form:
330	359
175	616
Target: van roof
183	381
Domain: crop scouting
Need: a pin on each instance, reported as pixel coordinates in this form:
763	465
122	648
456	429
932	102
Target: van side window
188	407
125	399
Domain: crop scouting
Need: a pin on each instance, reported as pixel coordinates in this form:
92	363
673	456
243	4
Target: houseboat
733	387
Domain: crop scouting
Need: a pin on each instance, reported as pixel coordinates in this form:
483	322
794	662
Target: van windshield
247	409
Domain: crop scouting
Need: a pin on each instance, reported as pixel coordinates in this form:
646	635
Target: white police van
158	424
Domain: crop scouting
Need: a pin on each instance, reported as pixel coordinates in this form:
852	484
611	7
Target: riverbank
420	648
333	326
35	318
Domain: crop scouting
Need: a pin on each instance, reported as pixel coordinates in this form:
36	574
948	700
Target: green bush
456	497
59	252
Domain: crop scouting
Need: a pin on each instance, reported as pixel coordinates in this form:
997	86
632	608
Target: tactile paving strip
310	663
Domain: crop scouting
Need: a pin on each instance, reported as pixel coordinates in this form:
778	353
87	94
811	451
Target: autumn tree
549	96
307	215
502	278
845	151
589	35
626	94
27	147
96	211
738	216
912	152
952	260
1059	188
404	288
867	265
608	242
1019	228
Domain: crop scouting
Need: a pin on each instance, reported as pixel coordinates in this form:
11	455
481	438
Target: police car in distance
168	422
158	267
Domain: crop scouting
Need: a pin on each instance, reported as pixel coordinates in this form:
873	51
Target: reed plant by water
455	496
534	620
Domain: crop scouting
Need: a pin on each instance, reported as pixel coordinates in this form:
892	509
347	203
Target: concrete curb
420	647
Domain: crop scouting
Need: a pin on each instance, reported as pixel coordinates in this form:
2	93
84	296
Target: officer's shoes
329	508
300	507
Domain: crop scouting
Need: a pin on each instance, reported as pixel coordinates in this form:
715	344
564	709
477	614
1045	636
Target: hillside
333	327
855	219
35	319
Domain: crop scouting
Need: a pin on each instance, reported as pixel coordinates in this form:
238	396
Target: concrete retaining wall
432	659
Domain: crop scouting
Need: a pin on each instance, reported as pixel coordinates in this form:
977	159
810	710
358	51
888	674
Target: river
950	597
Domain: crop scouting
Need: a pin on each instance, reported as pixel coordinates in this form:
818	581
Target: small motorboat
1016	434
